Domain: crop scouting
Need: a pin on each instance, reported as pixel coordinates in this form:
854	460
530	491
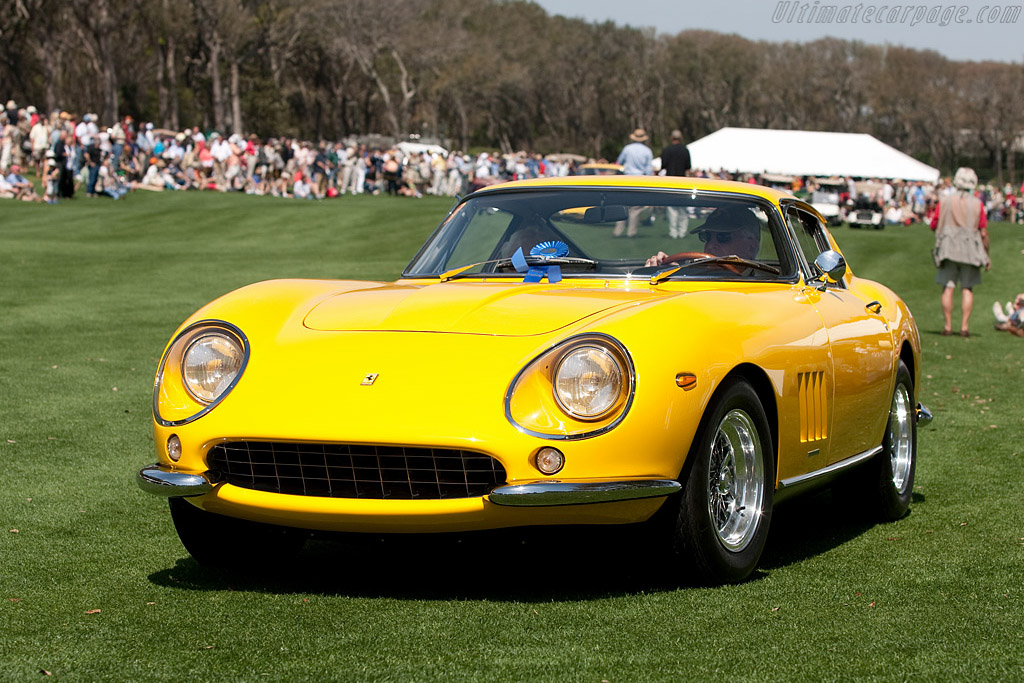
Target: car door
861	350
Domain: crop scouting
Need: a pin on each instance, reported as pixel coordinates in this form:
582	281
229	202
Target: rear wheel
722	520
893	470
219	541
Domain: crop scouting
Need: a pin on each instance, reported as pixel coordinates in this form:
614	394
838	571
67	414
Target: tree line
490	73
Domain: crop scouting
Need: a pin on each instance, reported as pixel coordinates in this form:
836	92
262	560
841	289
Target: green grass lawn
95	585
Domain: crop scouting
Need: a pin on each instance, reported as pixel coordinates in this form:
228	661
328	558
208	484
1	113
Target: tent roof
805	152
410	148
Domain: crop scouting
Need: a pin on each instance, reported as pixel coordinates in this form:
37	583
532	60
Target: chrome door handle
875	307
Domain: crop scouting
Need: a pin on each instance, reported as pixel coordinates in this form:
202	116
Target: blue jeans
94	174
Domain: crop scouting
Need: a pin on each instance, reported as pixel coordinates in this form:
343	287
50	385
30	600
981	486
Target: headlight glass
210	364
588	382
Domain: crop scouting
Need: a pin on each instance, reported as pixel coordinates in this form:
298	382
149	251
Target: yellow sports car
534	365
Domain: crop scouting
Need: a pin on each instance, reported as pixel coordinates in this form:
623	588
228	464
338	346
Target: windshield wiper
507	262
456	272
667	272
560	261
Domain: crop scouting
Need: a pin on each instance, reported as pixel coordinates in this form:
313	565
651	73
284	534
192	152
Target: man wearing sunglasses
728	231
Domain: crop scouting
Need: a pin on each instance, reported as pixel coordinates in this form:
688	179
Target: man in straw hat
961	247
636	158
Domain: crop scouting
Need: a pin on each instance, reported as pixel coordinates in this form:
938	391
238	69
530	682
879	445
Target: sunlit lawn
95	585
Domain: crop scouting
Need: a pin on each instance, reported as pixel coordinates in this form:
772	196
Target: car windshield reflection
605	233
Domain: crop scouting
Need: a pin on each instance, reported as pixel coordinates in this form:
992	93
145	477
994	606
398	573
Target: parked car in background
600	169
826	199
530	368
778	181
866	211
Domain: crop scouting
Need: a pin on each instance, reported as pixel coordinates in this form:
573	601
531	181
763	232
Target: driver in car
728	231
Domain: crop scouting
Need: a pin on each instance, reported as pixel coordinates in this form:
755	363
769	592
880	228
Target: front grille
355	471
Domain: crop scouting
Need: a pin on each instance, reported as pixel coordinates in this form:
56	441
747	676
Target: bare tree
494	73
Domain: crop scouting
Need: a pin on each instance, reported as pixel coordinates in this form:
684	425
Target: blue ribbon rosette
543	251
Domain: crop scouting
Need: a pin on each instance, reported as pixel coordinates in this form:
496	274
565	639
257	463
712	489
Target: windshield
825	196
606	233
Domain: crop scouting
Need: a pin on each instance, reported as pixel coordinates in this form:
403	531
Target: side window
809	235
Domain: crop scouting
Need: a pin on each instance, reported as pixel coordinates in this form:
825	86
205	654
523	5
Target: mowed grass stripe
96	287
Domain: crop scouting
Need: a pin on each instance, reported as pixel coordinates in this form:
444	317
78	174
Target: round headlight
210	364
588	382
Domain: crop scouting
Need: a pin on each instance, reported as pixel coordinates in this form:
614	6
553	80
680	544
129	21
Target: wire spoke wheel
736	480
720	523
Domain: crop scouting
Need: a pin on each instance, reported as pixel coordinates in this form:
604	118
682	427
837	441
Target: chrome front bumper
160	481
924	416
547	493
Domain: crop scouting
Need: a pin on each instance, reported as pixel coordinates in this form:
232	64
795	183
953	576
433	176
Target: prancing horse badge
368	379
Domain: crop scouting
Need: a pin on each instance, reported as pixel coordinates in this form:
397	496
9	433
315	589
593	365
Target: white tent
416	148
805	153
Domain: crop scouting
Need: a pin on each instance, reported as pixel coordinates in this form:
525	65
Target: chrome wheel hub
901	440
736	481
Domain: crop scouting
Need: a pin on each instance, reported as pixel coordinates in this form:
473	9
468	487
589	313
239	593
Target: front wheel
724	512
219	541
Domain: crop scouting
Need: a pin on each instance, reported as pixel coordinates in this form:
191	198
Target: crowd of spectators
71	154
906	202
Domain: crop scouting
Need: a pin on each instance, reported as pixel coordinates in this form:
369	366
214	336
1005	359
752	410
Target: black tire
891	474
225	542
716	542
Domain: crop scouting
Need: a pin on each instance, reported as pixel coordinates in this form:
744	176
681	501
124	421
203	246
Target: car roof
643	182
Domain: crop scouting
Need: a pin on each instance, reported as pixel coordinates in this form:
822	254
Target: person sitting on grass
111	184
22	187
1010	319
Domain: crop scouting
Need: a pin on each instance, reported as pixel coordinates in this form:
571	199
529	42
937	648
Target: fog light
174	447
549	460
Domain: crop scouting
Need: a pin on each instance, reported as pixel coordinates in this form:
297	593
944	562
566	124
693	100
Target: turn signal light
549	460
174	447
686	380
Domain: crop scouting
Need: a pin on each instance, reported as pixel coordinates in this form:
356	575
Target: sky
975	31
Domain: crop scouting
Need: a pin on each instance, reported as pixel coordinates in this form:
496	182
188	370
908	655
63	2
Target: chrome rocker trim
549	493
831	469
160	481
924	416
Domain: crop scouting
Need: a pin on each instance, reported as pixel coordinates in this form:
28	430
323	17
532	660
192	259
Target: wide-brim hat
638	135
731	218
965	179
11	104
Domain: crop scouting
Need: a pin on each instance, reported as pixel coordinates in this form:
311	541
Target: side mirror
832	267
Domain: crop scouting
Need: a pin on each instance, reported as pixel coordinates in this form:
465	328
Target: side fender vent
813	406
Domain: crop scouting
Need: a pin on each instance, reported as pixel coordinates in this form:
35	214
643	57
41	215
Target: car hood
512	309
